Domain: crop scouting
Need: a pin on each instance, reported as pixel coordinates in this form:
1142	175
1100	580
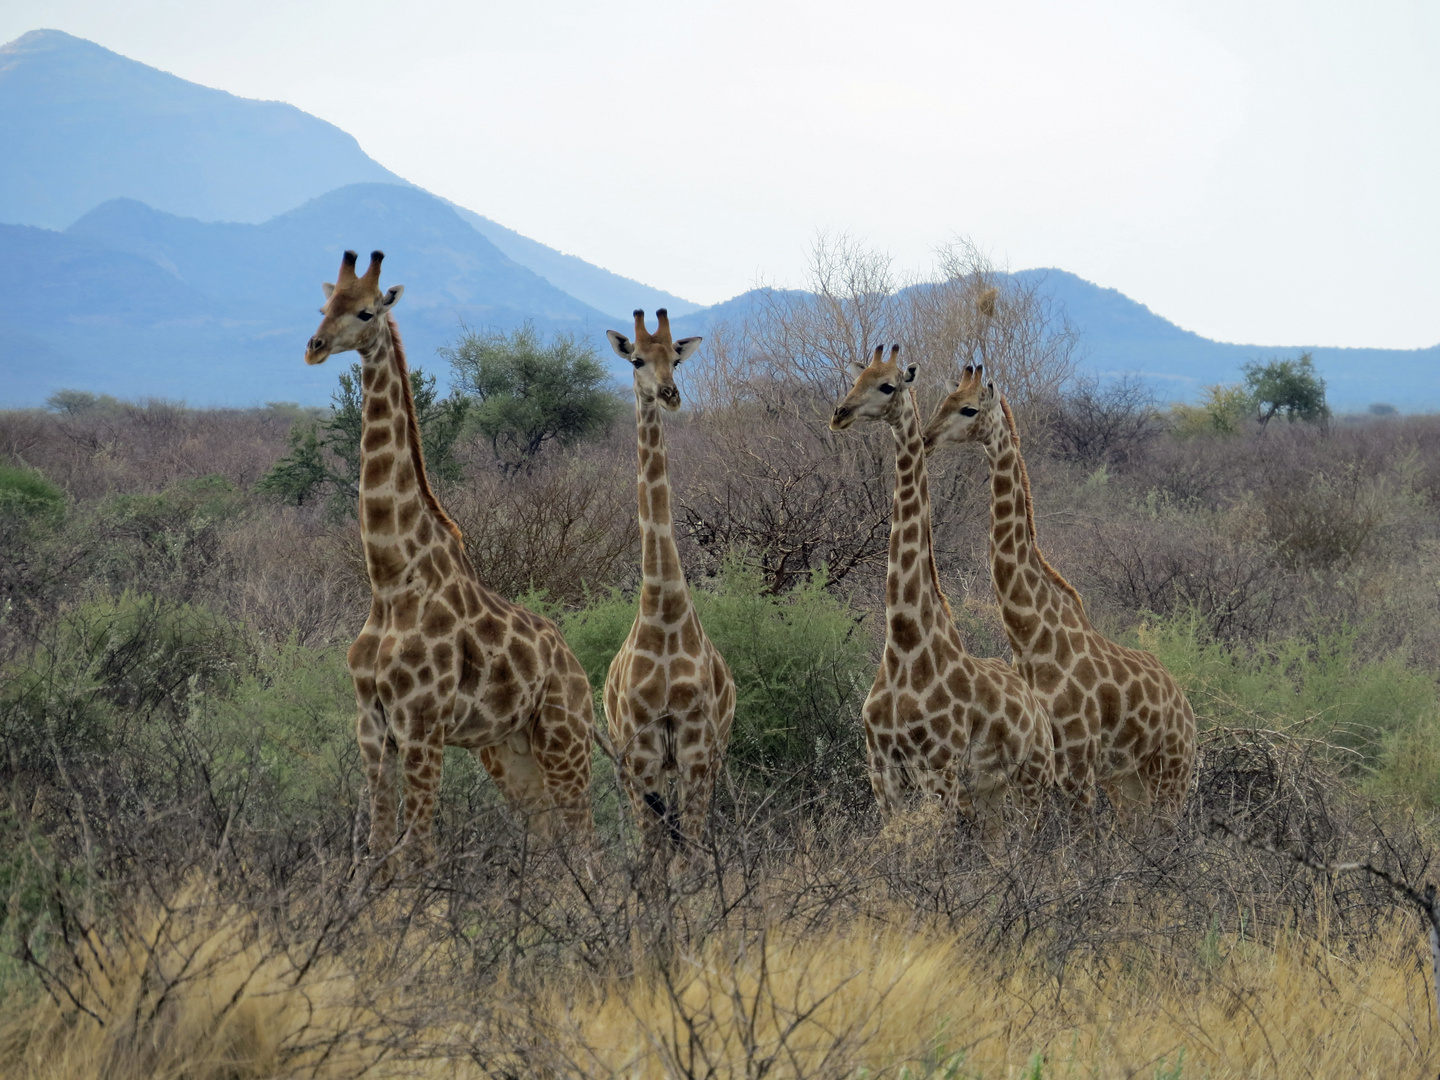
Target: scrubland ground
185	894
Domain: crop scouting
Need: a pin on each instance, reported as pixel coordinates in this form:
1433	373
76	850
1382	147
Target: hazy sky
1260	172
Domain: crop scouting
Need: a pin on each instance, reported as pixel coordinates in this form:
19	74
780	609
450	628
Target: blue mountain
1119	336
133	301
169	239
81	125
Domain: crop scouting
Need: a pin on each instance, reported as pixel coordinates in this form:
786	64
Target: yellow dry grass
203	993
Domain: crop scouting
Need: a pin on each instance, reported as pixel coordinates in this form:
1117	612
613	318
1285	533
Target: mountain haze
168	239
81	125
132	301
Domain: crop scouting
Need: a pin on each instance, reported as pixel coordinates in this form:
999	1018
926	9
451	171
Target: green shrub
286	731
26	496
1222	413
166	542
106	678
800	661
1373	708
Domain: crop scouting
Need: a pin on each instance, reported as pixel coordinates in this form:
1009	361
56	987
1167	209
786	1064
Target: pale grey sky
1257	171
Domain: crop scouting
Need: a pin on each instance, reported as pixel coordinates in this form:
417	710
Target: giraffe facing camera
669	695
442	660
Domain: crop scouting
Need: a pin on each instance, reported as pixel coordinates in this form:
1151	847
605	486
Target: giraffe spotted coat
442	660
1120	720
937	720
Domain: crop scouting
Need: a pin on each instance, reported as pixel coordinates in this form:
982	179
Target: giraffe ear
989	392
910	374
328	288
951	386
686	347
621	344
391	297
855	367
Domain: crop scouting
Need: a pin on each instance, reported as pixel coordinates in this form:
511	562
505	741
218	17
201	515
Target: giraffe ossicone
442	660
1119	718
669	696
938	721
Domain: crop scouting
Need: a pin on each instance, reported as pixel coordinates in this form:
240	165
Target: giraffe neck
399	514
911	581
664	596
1025	584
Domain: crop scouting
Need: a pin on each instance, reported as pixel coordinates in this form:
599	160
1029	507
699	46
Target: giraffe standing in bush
937	720
669	697
1120	720
442	660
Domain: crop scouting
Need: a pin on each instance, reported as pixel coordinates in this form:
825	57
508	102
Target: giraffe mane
417	455
1055	575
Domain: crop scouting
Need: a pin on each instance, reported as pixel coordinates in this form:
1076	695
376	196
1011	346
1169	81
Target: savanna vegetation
180	828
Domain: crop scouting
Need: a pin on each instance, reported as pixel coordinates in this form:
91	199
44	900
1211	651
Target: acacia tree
1288	388
528	392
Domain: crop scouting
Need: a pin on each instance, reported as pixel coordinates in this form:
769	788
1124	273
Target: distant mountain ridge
81	125
136	301
200	280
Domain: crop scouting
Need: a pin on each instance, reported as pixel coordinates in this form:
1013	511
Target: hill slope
135	302
1120	336
81	125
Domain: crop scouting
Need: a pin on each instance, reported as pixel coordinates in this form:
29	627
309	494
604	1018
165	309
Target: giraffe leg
885	781
648	789
1131	797
517	774
422	756
696	768
379	753
561	749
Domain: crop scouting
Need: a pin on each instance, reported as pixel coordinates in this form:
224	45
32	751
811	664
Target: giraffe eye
886	388
364	316
638	363
968	411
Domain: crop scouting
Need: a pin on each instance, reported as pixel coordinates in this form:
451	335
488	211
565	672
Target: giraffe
937	719
669	696
442	660
1119	719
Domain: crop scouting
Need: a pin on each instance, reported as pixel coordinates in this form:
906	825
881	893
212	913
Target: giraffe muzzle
669	397
841	419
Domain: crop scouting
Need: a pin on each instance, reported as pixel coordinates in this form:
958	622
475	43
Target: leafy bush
167	542
107	678
800	661
1223	412
529	392
287	729
1320	686
26	496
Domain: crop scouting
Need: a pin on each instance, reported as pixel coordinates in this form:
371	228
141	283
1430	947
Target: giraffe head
654	357
876	393
354	309
970	412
